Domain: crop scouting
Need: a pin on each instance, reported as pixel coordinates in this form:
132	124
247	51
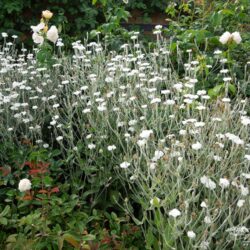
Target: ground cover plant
123	149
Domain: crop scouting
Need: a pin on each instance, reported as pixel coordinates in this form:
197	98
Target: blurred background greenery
75	18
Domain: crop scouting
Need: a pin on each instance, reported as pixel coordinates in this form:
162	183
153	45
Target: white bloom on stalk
4	34
240	203
217	158
203	204
207	182
157	156
237	231
125	164
247	176
145	134
191	234
52	34
236	37
38	27
244	190
227	36
59	138
91	146
224	183
155	201
111	147
38	39
174	213
245	120
207	219
196	146
24	185
141	143
152	165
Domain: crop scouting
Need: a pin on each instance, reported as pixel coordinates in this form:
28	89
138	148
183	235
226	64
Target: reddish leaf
29	164
27	198
55	190
5	170
37	171
42	191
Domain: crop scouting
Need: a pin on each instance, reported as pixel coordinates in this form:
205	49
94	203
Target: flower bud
47	14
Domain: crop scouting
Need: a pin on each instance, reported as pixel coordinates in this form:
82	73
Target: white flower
141	143
38	27
174	213
224	183
111	147
244	190
91	146
247	157
4	34
207	182
226	100
203	204
145	134
196	146
155	201
24	185
182	132
37	38
236	37
240	203
169	102
52	34
207	220
191	234
217	158
225	37
59	138
245	120
155	100
152	165
125	164
247	176
204	245
158	155
237	231
158	27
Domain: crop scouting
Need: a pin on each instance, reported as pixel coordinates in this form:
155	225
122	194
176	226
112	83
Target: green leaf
88	237
11	238
60	241
5	211
47	181
216	91
72	240
232	89
3	221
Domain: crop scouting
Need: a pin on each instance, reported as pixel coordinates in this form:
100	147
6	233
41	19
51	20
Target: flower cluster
42	32
227	37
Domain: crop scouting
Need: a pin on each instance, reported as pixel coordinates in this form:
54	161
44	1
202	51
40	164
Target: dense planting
124	149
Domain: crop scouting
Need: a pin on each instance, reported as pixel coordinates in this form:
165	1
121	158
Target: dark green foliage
73	18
